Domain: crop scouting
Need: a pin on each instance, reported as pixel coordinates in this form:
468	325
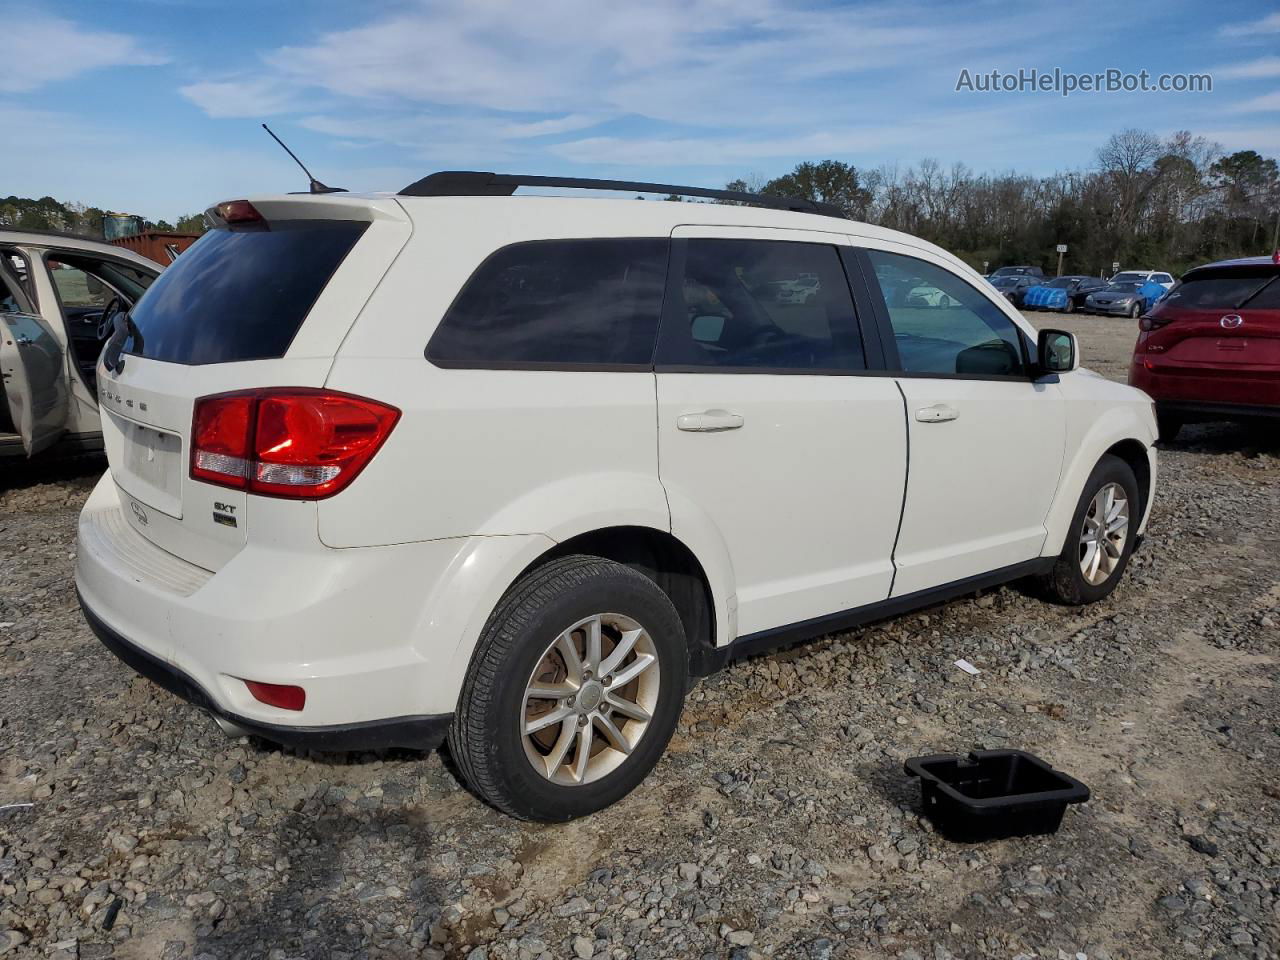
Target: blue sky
152	106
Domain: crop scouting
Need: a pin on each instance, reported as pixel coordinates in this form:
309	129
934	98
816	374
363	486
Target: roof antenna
316	185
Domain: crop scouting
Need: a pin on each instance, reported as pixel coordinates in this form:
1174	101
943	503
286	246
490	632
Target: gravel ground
779	824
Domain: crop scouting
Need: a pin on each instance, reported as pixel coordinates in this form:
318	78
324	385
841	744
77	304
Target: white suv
515	468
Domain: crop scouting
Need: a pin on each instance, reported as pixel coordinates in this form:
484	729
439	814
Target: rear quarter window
558	304
240	294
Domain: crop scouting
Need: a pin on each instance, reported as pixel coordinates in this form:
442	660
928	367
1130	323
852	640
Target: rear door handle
938	413
709	421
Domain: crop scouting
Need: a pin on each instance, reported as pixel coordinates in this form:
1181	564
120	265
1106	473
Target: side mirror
1059	351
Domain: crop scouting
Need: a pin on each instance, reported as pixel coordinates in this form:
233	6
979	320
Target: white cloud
1266	103
247	97
1268	24
44	49
1262	67
1265	140
742	64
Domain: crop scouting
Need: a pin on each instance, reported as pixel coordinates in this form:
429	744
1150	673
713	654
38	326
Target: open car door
33	368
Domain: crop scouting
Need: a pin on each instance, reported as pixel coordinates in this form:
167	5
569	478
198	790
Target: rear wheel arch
667	562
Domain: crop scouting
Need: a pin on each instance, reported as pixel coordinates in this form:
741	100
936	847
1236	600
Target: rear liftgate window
240	294
557	304
1242	288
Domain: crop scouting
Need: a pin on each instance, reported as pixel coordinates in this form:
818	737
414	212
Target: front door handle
938	413
709	421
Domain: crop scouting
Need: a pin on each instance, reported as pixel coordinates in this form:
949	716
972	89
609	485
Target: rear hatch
263	301
1220	321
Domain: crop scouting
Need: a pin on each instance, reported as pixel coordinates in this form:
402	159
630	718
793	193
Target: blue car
1062	294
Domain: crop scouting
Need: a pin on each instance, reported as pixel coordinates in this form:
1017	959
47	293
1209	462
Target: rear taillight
289	442
1149	323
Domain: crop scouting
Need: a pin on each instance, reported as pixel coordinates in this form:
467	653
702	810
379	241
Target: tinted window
762	304
558	302
1257	289
240	294
943	325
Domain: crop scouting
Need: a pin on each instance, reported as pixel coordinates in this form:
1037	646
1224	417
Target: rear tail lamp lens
284	696
300	443
1149	323
220	440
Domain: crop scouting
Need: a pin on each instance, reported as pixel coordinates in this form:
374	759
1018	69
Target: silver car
59	295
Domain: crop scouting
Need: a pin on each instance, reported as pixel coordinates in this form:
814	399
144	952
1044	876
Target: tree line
1147	202
46	213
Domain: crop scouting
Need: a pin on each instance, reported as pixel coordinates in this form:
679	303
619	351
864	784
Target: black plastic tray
992	794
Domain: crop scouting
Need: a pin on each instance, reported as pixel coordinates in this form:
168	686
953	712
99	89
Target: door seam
906	479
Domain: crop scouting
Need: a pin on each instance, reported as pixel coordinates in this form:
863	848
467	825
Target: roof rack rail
473	183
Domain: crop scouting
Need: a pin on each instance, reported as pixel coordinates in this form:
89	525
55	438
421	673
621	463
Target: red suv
1210	348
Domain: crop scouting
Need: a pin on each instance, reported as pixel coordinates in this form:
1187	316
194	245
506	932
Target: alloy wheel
1104	533
590	699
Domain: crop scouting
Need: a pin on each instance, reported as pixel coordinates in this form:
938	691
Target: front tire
573	691
1101	537
1135	311
1069	306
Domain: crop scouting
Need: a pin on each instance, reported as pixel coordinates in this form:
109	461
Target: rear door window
240	294
761	306
557	304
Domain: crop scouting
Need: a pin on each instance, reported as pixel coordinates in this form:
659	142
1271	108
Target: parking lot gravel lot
779	824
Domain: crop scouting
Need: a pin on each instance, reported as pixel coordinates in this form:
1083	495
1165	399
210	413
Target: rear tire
1099	542
526	710
1168	426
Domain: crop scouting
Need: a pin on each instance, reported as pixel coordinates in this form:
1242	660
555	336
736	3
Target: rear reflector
292	442
280	695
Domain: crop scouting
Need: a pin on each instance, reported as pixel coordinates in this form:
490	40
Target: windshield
1122	287
1063	282
240	294
1005	281
1129	277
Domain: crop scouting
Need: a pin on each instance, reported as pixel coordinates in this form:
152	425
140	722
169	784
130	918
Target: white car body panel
807	518
960	468
374	599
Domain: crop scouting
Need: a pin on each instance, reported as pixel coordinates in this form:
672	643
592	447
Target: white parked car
1142	276
512	469
58	295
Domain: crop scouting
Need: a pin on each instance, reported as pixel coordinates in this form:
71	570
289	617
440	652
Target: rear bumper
1206	391
420	732
1197	410
380	638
